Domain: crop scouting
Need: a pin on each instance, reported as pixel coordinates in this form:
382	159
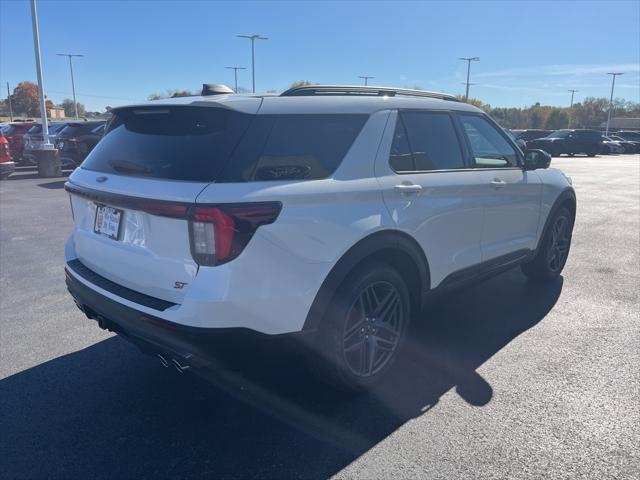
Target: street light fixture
613	84
253	39
235	75
365	78
73	86
468	60
571	106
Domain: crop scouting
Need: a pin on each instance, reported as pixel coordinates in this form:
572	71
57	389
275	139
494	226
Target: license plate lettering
108	221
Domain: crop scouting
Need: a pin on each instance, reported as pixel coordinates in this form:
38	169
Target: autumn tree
25	99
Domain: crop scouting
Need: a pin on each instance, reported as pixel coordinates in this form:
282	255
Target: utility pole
235	74
571	107
253	39
365	78
9	101
36	47
73	86
468	60
613	84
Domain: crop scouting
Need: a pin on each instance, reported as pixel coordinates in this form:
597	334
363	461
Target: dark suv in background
569	142
77	139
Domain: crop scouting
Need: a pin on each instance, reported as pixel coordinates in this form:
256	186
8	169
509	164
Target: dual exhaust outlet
180	367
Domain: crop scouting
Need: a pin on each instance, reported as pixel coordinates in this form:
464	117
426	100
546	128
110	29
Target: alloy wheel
373	329
560	242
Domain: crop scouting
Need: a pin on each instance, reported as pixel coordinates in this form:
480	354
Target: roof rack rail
356	90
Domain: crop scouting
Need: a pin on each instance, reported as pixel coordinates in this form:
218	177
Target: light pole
9	102
36	47
468	60
571	107
365	78
73	86
235	75
613	84
253	39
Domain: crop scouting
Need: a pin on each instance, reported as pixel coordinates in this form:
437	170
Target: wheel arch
393	247
567	198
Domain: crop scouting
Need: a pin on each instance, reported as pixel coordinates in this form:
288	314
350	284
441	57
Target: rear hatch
132	195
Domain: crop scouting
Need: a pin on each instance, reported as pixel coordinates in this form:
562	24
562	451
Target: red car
7	166
15	134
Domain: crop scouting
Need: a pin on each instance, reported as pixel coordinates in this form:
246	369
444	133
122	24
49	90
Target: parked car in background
15	135
611	146
77	139
528	135
329	213
569	142
629	135
7	165
629	145
521	143
34	138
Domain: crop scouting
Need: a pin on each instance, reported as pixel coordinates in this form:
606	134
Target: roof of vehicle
365	103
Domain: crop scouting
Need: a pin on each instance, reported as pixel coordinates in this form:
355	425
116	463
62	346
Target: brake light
4	150
220	233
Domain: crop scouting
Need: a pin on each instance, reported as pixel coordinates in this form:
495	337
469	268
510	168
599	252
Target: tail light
219	233
4	150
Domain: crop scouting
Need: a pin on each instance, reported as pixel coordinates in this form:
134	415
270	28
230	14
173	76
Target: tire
592	153
554	250
355	346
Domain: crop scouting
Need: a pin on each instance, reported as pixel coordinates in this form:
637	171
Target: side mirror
535	159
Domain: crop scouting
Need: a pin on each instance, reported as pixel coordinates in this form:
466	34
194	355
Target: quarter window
425	141
488	147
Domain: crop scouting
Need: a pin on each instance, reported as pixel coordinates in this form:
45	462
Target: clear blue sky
530	51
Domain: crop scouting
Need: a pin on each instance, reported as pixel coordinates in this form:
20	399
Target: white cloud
561	70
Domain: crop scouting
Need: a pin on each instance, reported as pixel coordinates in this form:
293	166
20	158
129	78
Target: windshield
559	134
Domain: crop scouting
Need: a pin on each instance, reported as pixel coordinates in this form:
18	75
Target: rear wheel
364	328
553	253
592	153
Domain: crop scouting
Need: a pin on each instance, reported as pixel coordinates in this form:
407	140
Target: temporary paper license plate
108	221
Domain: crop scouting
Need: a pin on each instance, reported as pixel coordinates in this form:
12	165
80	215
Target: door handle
497	183
408	188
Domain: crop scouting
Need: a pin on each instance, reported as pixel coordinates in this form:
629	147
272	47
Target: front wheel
554	249
364	327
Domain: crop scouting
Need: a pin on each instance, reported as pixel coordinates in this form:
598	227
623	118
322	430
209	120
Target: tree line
589	113
25	101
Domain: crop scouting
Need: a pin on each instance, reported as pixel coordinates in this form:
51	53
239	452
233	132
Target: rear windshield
207	144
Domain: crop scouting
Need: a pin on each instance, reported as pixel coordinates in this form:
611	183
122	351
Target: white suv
327	213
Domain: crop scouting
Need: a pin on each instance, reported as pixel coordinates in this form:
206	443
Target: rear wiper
123	166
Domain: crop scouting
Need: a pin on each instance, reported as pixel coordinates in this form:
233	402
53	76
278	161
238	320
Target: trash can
48	161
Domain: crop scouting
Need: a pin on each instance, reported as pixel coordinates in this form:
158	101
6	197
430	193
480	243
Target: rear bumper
7	168
190	346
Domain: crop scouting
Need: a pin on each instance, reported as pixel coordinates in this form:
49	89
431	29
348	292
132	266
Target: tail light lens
4	150
219	233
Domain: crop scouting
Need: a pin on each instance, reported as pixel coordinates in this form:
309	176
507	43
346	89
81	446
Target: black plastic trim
366	248
136	297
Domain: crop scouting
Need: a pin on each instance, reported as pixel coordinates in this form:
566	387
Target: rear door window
425	141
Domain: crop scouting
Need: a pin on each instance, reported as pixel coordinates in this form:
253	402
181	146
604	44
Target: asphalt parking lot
503	380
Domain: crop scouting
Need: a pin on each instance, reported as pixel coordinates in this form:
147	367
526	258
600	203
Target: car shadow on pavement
108	411
56	185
